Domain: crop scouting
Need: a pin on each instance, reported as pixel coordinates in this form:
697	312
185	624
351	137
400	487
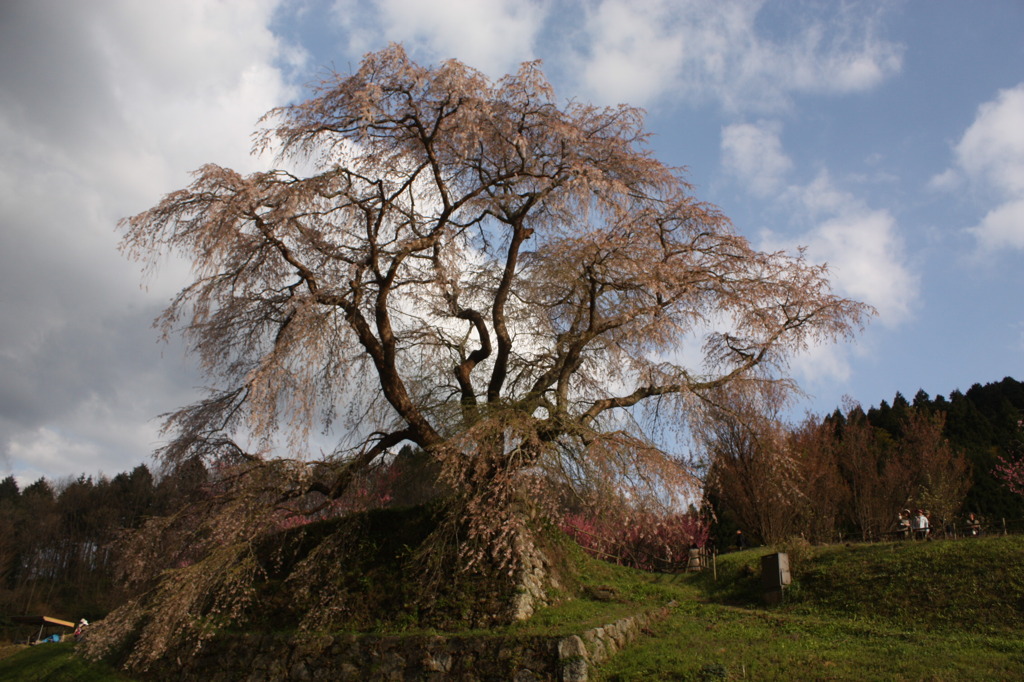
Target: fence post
1004	525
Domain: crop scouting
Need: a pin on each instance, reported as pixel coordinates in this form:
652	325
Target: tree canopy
460	252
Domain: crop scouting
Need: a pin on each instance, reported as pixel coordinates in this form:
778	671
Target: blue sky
886	137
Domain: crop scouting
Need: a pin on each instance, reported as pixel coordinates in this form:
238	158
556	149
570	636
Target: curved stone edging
577	654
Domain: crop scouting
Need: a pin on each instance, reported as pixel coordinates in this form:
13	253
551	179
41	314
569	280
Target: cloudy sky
886	137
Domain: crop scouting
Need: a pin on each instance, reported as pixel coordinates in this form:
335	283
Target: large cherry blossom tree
513	285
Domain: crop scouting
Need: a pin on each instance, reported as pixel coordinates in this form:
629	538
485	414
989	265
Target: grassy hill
944	610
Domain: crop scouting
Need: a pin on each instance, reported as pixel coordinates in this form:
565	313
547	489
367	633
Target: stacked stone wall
372	658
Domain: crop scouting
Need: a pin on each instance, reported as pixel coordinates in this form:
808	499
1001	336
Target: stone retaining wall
262	658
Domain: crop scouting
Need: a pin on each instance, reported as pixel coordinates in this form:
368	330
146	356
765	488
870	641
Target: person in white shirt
921	525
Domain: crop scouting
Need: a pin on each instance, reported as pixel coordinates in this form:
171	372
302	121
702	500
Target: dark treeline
850	473
985	424
58	540
844	475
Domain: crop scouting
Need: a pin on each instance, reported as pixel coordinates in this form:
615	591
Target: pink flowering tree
1010	468
644	540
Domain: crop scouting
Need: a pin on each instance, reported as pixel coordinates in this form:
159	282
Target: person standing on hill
921	525
903	524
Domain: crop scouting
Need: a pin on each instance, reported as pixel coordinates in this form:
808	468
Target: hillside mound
947	583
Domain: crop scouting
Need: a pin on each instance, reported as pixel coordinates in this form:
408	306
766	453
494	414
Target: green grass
944	584
55	663
897	611
707	642
894	611
607	593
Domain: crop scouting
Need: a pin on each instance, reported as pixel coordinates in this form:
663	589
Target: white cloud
191	79
821	197
44	451
1001	227
494	37
753	154
992	149
641	51
635	53
865	255
821	364
990	157
861	245
91	440
112	103
638	52
946	181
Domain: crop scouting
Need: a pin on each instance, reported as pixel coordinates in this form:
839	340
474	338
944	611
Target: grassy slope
910	611
914	611
54	663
